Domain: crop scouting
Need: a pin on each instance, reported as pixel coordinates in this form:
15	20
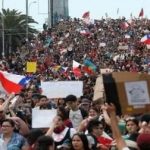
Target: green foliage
15	28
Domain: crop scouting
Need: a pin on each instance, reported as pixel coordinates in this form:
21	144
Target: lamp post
3	34
33	2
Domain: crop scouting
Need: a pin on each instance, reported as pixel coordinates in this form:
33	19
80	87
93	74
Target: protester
105	44
76	114
59	132
45	143
132	129
93	113
80	142
13	140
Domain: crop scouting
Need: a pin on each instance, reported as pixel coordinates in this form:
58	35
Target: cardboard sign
128	91
98	89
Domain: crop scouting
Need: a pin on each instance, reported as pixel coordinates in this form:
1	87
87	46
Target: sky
98	8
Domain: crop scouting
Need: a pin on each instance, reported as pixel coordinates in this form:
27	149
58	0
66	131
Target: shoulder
18	137
72	132
83	112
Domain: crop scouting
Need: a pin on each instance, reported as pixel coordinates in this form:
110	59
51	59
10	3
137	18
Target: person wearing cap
85	104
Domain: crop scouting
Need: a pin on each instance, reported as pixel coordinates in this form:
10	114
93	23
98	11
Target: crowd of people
80	123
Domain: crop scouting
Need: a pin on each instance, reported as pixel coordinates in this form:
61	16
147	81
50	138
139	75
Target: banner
61	89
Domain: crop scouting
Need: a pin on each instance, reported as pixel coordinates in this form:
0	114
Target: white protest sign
61	89
42	118
137	93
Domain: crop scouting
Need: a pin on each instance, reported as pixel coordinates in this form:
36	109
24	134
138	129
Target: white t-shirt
75	117
3	146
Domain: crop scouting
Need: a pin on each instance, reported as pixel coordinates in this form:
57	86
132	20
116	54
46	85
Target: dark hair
136	122
2	99
33	135
133	119
42	96
44	142
144	146
145	117
58	102
84	140
71	98
94	108
63	113
92	124
11	122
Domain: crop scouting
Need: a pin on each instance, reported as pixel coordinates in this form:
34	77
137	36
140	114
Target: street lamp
3	34
33	2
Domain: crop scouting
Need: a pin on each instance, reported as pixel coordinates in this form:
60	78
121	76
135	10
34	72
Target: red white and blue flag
146	39
12	83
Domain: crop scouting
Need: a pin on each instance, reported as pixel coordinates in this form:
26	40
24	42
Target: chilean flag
12	83
76	69
146	39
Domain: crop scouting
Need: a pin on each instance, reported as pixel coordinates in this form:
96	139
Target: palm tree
15	29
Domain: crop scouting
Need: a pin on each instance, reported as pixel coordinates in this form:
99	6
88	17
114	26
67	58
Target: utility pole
3	33
27	30
50	13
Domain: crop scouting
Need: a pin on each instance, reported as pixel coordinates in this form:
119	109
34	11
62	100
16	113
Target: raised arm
121	145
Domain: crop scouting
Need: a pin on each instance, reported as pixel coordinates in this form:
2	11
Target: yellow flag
31	67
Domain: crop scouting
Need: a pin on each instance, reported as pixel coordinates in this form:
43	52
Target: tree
15	29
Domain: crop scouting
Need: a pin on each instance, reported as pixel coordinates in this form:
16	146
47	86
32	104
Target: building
58	10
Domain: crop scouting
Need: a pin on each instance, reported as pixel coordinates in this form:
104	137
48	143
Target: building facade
58	10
